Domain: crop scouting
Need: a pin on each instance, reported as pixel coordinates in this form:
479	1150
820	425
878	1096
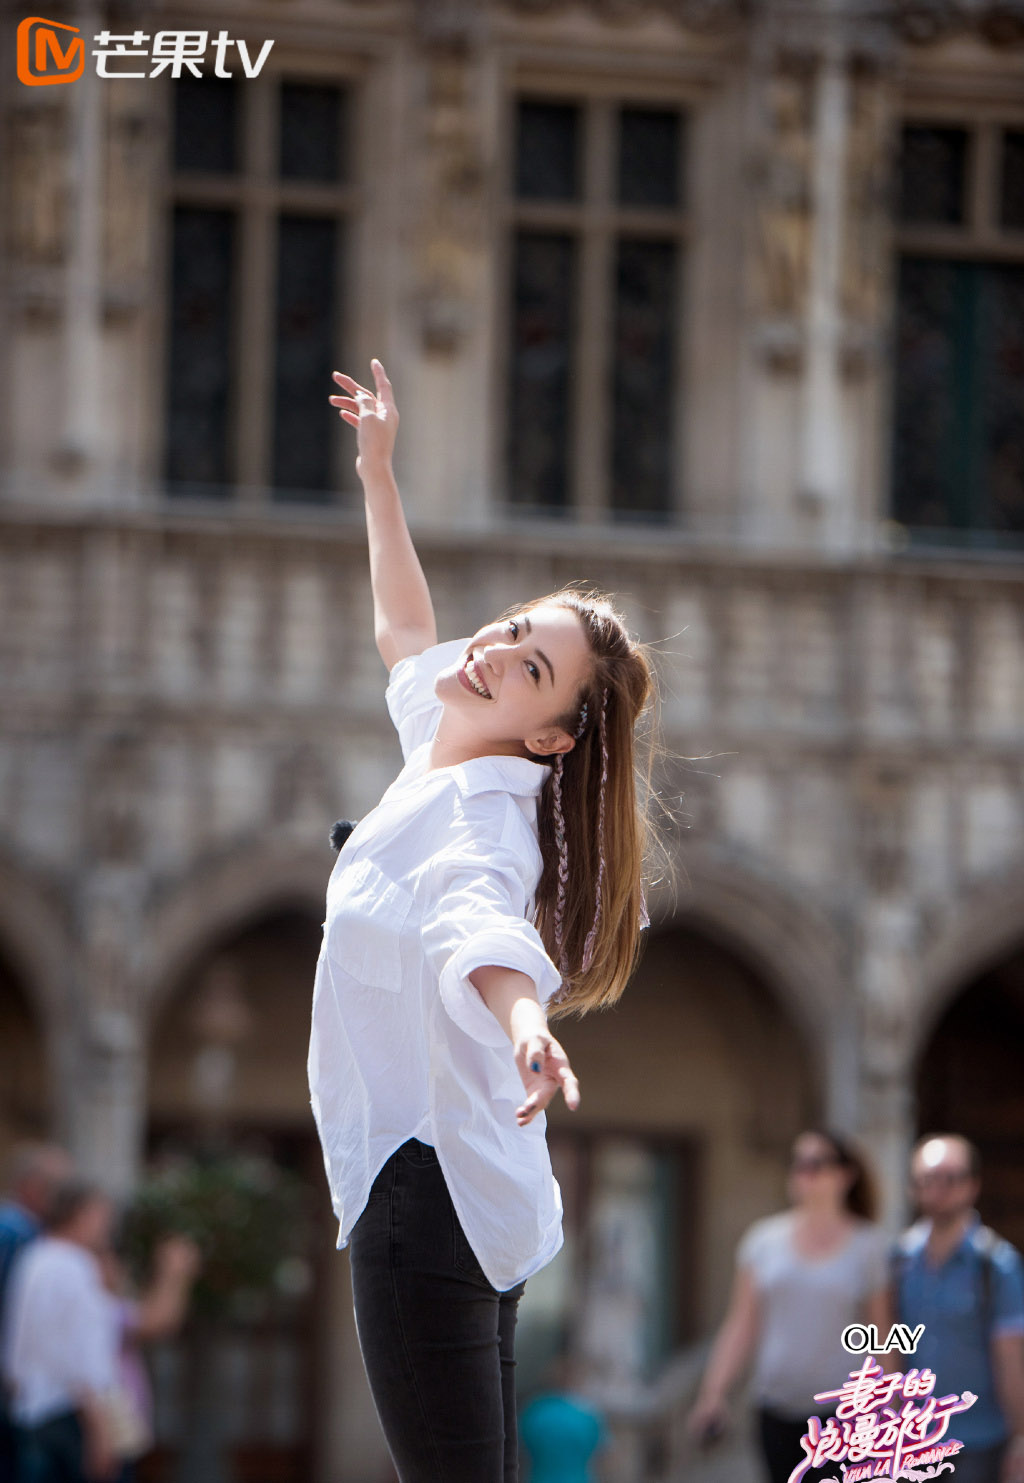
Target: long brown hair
597	949
860	1198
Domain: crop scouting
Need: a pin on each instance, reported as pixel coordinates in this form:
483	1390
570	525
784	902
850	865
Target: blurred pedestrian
33	1171
60	1344
561	1430
802	1276
157	1314
966	1285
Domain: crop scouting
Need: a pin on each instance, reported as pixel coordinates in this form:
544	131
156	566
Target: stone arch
792	941
724	1043
221	895
37	938
795	947
986	928
37	944
230	923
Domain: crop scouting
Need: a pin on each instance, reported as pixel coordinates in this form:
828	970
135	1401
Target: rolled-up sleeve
479	921
411	702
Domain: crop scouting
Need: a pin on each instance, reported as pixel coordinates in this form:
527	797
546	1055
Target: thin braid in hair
563	862
563	853
588	946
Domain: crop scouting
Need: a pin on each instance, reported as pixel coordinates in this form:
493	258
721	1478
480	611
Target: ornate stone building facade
719	305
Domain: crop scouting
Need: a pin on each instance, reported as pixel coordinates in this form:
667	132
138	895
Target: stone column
888	992
823	465
450	264
82	348
818	271
108	1131
843	1092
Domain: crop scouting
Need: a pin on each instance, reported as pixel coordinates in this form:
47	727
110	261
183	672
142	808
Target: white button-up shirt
60	1340
437	881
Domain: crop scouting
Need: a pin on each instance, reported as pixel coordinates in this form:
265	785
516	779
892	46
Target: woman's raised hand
544	1068
373	414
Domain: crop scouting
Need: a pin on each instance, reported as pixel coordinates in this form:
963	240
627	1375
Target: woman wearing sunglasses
801	1277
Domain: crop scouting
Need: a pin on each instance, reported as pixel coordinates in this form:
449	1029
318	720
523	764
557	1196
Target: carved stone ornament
865	256
781	177
115	800
452	25
453	204
917	21
695	15
37	185
924	21
708	15
127	217
881	804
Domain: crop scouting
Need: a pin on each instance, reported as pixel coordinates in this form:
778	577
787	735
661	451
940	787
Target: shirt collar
517	775
520	776
973	1227
917	1236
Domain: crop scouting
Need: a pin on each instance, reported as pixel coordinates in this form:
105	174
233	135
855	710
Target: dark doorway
970	1081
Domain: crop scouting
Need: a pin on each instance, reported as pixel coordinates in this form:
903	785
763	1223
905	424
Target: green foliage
248	1216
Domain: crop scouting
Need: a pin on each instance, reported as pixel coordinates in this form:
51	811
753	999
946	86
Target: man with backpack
966	1285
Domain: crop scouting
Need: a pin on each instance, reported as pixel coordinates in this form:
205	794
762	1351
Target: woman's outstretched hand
544	1068
541	1062
373	414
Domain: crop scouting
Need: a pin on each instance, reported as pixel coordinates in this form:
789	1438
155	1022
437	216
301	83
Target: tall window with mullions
597	240
257	271
958	452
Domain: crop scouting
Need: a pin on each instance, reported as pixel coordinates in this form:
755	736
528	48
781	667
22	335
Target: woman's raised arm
403	614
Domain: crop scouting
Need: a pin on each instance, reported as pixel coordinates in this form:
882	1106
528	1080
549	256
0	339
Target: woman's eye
513	628
534	671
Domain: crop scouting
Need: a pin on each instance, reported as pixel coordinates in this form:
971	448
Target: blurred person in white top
500	874
59	1344
34	1171
802	1276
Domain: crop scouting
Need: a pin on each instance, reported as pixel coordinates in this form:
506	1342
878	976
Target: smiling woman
501	873
508	663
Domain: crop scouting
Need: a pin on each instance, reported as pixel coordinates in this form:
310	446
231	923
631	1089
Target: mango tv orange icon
38	38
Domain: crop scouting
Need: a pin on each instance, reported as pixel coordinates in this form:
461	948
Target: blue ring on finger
534	1065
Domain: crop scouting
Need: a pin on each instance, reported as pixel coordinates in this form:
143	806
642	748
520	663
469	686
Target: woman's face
816	1173
515	679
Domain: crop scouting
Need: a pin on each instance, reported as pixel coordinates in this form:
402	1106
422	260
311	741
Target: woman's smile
471	679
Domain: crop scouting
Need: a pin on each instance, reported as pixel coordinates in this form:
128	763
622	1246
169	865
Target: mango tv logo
39	39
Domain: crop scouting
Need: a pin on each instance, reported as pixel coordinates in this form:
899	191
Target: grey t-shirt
805	1305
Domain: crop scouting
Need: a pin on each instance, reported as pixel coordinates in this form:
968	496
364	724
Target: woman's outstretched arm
403	614
542	1064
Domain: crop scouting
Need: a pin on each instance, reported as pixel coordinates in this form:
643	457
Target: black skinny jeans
438	1341
780	1447
51	1453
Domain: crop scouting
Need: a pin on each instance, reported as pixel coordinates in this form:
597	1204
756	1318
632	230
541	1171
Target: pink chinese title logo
885	1426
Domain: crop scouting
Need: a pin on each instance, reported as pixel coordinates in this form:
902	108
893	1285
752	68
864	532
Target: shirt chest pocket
366	915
